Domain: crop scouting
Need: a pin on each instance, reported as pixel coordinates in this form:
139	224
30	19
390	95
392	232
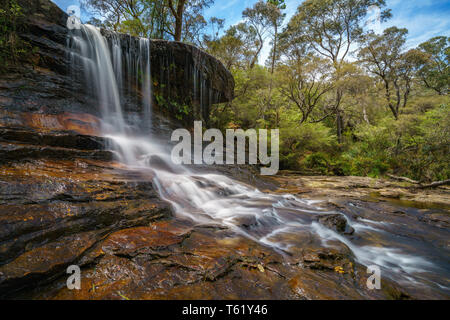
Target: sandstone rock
45	200
47	261
336	222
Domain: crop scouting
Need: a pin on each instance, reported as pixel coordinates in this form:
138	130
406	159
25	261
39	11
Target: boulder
336	222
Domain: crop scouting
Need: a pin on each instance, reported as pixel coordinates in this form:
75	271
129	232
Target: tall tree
177	8
180	20
435	69
275	18
306	83
330	27
237	48
256	17
384	56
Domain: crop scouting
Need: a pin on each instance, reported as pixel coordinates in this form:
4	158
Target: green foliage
179	20
417	145
318	161
375	143
434	68
180	111
277	3
329	27
12	48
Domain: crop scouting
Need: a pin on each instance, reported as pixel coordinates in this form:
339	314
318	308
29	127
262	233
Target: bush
319	162
299	142
12	47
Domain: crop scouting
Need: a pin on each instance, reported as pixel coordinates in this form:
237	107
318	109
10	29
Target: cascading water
102	62
272	220
90	51
116	50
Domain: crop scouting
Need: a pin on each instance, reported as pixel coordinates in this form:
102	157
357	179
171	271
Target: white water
206	197
91	49
144	63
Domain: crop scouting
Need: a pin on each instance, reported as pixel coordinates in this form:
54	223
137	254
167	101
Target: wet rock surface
58	198
65	201
95	213
169	261
336	222
46	85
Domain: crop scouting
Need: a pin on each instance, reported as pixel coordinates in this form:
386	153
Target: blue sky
423	18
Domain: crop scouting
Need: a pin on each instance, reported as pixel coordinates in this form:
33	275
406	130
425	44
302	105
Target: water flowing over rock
184	82
86	178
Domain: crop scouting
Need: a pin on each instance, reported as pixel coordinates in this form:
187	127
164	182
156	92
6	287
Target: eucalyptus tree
237	48
256	18
384	56
119	15
434	70
177	8
306	82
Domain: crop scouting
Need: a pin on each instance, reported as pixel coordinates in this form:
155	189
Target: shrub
12	47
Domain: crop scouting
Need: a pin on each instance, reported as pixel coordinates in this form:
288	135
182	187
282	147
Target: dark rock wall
185	80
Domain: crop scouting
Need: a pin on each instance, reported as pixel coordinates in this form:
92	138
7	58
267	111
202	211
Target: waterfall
105	69
144	58
90	51
270	219
116	50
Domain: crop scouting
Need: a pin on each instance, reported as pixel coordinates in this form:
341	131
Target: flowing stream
273	220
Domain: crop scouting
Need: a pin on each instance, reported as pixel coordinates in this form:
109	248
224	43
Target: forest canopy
347	100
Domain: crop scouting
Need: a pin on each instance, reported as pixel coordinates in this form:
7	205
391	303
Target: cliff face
182	75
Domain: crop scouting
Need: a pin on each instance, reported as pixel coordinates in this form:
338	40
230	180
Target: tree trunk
255	58
365	117
178	28
274	49
435	184
178	15
339	125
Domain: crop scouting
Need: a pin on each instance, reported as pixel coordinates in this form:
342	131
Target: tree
216	25
177	9
180	20
306	83
383	56
119	15
434	69
330	27
256	17
237	48
275	18
12	47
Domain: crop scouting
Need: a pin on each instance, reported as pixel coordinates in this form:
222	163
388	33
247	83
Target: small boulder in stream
336	222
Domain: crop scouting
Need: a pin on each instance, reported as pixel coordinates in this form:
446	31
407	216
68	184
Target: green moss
12	48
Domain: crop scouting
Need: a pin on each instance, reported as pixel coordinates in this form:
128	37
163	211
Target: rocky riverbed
370	189
65	201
